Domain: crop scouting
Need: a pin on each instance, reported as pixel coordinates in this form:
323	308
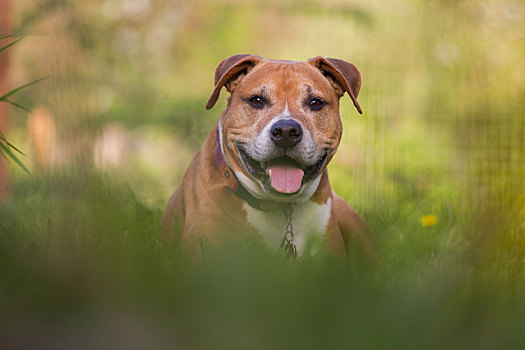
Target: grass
82	267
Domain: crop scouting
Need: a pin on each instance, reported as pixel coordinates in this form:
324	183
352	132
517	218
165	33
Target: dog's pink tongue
285	178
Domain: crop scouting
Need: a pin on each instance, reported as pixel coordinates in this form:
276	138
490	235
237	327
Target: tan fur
204	211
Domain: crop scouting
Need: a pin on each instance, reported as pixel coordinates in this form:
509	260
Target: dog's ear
343	73
229	71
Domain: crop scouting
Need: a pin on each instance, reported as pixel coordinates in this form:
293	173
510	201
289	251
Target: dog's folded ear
229	70
343	73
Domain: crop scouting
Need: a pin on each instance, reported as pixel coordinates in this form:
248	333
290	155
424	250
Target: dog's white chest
309	222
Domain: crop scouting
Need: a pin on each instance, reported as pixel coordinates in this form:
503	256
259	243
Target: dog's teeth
270	173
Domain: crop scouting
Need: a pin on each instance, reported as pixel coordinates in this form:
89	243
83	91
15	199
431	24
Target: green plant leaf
6	149
6	36
3	138
18	105
4	97
5	146
10	44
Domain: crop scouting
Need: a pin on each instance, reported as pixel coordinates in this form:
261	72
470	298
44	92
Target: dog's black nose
286	133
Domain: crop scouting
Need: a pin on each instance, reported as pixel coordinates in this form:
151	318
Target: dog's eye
316	104
256	102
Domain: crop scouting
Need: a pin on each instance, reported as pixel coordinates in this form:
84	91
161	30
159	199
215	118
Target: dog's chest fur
309	222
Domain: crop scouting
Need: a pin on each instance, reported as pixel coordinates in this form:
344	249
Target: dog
261	171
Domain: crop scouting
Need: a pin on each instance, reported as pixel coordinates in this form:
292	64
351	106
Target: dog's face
282	124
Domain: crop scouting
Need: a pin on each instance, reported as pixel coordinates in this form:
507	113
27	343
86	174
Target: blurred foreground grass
82	267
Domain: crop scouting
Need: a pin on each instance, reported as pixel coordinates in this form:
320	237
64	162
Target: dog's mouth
282	174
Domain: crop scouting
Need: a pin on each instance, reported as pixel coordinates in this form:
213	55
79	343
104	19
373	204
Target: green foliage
4	97
7	150
82	253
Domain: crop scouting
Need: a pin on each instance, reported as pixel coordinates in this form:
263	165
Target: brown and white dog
264	165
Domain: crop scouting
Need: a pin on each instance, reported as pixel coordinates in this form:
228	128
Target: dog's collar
234	184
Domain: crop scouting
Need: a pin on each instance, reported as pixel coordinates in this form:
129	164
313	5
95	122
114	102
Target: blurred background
436	165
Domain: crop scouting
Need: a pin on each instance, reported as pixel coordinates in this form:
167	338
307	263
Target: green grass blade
7	150
7	36
3	138
2	152
4	97
10	44
19	106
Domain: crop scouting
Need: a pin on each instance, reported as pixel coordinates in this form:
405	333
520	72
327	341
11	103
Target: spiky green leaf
18	105
10	44
4	97
6	149
3	138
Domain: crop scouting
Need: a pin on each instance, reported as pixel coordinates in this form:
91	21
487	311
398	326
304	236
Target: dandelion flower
428	220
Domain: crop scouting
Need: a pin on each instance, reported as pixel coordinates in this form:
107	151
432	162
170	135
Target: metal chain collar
289	248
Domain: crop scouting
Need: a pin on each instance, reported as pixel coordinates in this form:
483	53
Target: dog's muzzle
281	172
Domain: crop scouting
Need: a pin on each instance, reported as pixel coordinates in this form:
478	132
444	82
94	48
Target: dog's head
282	125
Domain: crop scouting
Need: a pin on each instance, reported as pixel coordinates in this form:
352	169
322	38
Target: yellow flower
428	220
